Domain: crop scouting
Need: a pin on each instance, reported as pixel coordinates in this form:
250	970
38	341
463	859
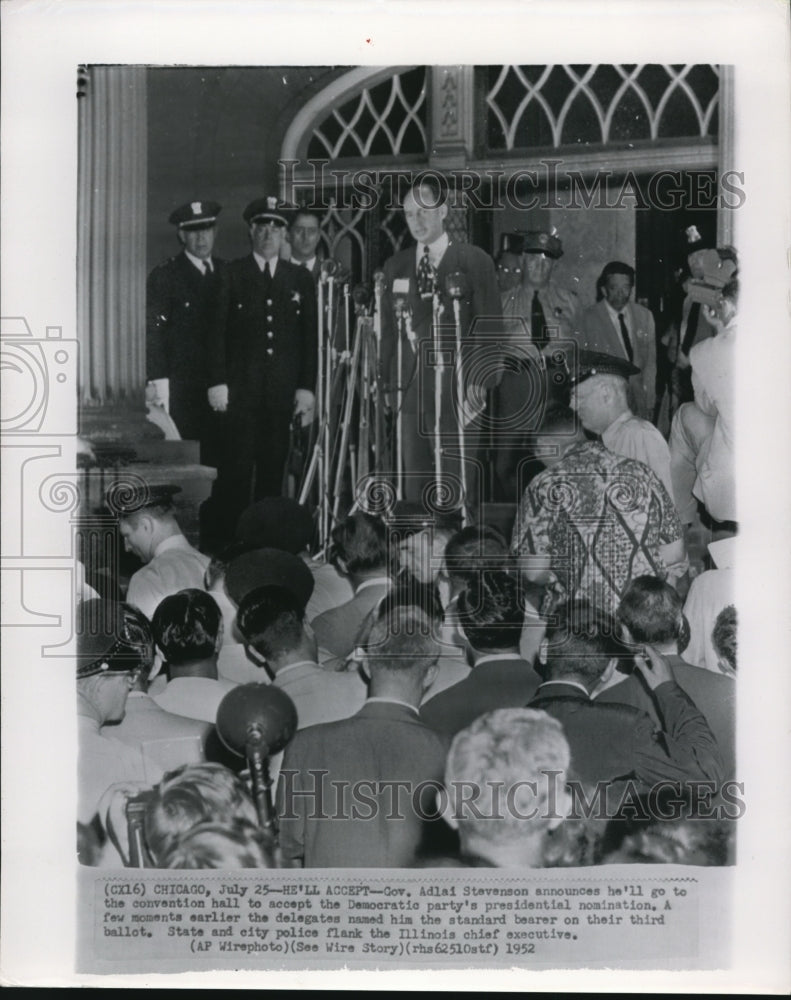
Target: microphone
362	296
329	268
457	285
400	295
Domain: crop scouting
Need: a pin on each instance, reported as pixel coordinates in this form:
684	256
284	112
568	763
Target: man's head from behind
271	620
360	545
491	613
472	551
581	645
114	645
651	611
505	777
187	628
401	654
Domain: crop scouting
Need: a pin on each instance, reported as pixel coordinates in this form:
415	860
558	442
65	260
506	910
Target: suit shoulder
166	267
399	259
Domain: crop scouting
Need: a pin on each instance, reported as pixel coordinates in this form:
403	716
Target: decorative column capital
451	120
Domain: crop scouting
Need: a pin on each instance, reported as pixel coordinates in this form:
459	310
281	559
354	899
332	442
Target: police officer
536	311
267	359
182	301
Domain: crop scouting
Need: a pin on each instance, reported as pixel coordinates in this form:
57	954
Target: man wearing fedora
183	296
265	359
537	310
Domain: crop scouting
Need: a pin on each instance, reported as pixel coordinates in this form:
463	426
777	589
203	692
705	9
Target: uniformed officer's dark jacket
269	337
182	328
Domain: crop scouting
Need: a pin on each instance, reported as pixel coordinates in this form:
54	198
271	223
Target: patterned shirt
601	518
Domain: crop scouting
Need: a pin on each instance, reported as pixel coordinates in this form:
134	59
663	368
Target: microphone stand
454	285
436	306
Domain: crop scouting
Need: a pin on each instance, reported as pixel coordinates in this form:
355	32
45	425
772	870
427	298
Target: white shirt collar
614	314
496	656
262	262
309	264
392	701
575	684
299	663
436	250
200	264
374	581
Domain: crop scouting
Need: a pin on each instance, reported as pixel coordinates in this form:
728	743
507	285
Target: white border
43	43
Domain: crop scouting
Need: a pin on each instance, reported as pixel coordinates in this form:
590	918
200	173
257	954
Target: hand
112	813
304	406
158	393
218	398
654	667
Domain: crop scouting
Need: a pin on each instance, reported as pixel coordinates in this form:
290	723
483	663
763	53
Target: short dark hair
361	541
186	626
271	619
401	641
616	267
581	643
474	549
651	610
491	612
313	213
723	635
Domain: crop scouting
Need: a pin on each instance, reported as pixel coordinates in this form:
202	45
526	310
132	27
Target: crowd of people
563	695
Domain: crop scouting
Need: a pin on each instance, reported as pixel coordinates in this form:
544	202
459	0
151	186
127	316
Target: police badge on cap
195	215
268	209
532	241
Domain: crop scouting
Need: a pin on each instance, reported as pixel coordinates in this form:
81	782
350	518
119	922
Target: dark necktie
538	322
692	328
266	275
425	275
625	337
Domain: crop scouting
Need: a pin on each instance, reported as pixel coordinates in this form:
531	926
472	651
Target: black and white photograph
385	476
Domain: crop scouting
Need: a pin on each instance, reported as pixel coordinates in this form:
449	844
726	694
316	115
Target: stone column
111	250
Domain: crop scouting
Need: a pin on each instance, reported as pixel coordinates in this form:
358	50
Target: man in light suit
623	329
355	793
412	278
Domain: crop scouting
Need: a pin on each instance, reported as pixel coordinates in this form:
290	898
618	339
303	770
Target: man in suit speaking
418	282
623	329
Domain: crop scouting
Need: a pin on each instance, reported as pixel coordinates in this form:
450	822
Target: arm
289	809
649	372
157	322
685	749
308	330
